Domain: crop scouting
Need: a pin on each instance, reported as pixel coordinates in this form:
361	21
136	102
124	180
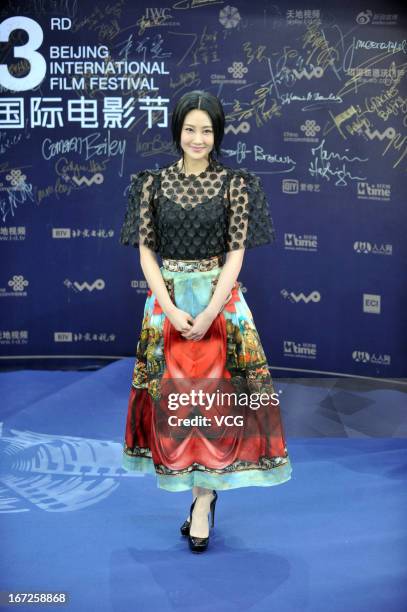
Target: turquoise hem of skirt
219	482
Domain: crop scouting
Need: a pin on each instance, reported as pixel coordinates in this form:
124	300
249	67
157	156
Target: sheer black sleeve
139	226
250	223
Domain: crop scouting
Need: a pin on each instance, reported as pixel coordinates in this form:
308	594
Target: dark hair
201	100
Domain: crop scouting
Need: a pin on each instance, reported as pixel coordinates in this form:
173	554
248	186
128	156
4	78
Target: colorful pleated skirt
203	412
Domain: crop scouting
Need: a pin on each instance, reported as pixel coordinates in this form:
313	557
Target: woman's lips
198	148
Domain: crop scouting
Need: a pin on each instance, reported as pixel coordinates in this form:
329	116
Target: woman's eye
191	130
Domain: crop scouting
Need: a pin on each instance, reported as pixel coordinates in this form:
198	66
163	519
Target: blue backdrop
315	99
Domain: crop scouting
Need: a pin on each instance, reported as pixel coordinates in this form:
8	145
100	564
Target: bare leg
199	524
195	492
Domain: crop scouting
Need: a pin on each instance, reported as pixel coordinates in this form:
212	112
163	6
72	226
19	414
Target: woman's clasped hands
190	328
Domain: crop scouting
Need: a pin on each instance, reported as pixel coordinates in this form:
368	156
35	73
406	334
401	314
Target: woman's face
197	136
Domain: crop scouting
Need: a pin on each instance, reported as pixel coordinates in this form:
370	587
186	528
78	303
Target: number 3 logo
38	66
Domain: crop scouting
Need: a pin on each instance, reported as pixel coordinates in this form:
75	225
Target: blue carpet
72	520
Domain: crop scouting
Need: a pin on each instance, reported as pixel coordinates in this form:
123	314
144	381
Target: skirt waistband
193	265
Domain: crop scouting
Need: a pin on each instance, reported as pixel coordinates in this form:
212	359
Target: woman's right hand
181	320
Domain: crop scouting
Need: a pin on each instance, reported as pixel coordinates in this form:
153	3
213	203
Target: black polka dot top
198	215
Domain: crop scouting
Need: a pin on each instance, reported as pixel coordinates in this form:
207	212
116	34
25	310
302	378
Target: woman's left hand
201	324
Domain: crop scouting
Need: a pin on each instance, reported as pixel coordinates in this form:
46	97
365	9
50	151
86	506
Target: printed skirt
203	412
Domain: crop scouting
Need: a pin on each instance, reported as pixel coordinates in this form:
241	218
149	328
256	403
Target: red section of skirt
236	432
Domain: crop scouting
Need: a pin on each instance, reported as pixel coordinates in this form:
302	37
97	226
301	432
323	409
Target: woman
194	418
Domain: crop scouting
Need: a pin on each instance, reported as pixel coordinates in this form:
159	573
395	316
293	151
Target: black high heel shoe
184	529
200	544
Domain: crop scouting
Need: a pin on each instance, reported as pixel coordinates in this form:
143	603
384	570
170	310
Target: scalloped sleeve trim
139	220
249	221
